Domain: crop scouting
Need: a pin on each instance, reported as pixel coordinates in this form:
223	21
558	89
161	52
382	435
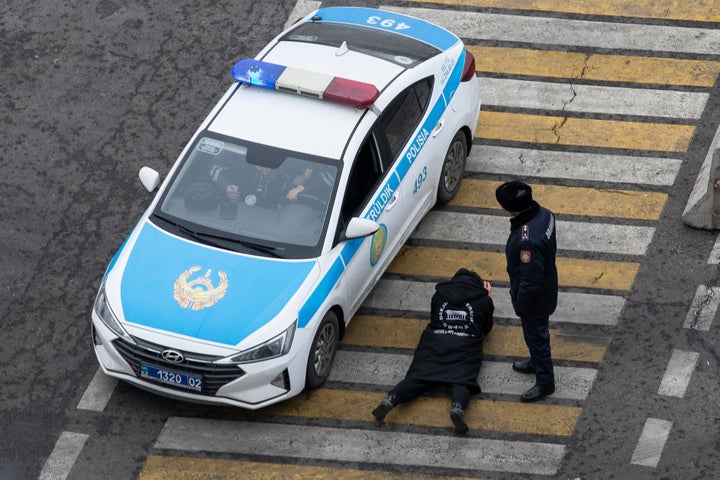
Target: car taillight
469	67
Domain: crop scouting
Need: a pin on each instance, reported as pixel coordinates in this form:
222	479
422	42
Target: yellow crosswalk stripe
503	340
593	202
586	132
535	419
572	272
697	10
158	467
596	67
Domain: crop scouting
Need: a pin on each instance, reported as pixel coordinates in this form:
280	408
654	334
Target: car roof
295	122
310	125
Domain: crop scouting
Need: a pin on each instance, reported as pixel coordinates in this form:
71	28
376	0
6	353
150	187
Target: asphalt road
91	92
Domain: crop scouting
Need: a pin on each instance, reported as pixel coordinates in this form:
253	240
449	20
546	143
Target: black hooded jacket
450	348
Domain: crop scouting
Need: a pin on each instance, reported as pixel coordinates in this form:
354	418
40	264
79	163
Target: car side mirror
149	178
360	227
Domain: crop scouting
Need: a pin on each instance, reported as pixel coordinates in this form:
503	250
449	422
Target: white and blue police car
286	207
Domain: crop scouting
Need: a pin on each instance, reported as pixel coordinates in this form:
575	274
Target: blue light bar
255	72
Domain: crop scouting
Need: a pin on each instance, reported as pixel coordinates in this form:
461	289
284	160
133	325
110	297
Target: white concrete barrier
703	207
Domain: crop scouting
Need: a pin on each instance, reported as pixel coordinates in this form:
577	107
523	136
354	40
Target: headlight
102	309
276	347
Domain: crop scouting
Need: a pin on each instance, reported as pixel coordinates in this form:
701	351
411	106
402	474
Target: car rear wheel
322	352
453	169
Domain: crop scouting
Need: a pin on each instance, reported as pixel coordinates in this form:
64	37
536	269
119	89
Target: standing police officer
530	251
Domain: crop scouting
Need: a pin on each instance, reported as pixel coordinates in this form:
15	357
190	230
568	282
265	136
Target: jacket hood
463	286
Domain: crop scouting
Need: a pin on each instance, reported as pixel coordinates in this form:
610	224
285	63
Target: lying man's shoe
458	418
383	408
538	392
523	367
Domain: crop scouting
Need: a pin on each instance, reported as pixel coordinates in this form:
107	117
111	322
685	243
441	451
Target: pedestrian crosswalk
594	104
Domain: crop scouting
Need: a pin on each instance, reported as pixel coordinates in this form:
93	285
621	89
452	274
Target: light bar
304	82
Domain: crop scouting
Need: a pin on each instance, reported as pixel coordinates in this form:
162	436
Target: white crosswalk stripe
569	97
354	445
567	32
576	236
387	369
573	307
526	162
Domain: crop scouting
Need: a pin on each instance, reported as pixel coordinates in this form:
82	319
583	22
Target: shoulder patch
525	256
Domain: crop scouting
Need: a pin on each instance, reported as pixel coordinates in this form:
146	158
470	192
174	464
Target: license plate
171	377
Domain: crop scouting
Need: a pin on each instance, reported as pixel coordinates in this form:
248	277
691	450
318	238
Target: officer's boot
384	407
458	418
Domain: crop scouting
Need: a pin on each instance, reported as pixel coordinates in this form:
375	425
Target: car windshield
240	195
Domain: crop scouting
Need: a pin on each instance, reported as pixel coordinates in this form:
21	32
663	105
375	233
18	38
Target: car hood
185	288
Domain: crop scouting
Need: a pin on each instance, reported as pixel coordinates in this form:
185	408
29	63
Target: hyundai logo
172	356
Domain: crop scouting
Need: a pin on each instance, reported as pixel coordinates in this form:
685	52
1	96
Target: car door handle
392	201
438	127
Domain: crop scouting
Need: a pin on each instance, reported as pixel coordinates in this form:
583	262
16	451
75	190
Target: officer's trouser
537	338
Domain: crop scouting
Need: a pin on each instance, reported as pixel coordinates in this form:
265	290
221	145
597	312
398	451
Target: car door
372	192
409	134
376	190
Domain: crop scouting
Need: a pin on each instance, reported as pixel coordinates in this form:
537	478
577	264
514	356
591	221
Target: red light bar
351	92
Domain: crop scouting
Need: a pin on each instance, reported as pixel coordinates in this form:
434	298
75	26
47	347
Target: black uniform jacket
450	348
530	250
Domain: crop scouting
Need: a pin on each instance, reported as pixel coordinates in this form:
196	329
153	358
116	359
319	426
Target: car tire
453	169
322	351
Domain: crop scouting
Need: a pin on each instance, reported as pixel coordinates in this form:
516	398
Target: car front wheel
453	169
322	352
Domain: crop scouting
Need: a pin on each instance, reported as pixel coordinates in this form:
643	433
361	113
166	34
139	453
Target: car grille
214	375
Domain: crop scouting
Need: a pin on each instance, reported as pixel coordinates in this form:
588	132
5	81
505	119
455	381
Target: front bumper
250	386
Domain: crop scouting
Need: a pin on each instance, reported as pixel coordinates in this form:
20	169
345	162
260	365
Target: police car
285	208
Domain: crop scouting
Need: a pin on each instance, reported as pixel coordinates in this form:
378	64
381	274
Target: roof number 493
387	23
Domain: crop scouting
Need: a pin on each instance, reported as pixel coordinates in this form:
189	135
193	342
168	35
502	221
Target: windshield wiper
208	239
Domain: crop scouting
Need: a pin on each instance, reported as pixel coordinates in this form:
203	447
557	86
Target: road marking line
595	66
584	132
652	441
678	373
362	446
98	393
301	8
696	11
595	202
573	272
61	460
387	369
503	340
526	162
492	27
582	308
494	229
567	97
193	468
714	257
703	308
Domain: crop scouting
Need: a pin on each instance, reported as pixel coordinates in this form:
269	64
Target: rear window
393	47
